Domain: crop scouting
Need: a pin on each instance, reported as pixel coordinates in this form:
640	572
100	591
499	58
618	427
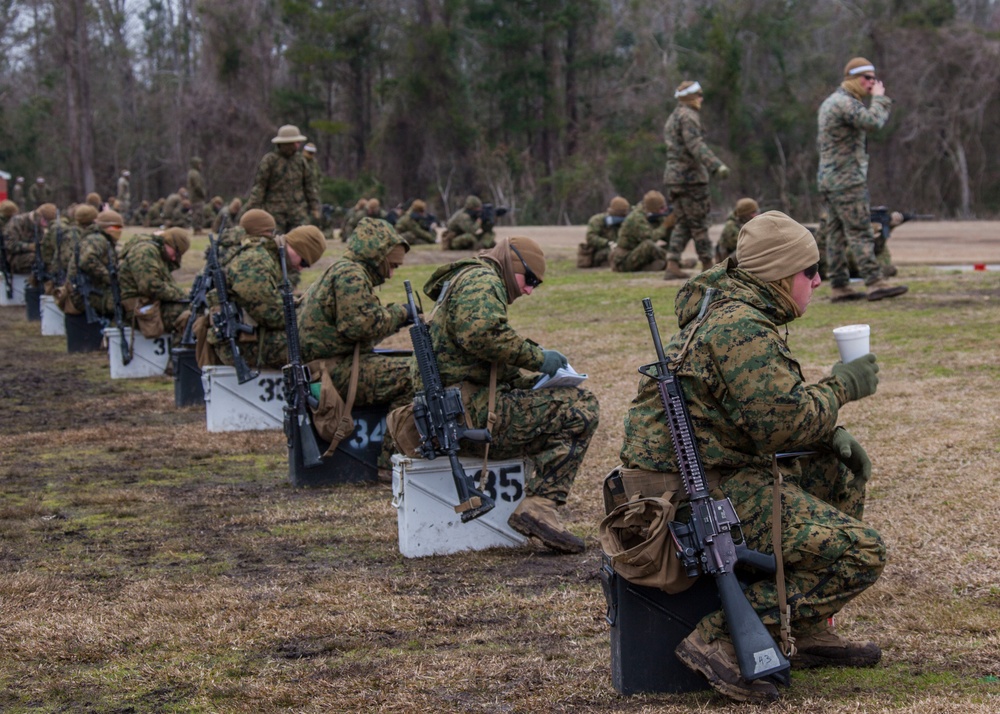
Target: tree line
549	107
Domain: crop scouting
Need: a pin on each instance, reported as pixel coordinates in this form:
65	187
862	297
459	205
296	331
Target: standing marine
285	185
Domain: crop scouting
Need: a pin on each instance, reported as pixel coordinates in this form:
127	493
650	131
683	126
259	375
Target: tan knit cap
257	222
47	211
418	206
653	202
107	218
7	208
308	242
94	199
772	246
235	205
85	214
178	239
373	205
618	207
745	208
532	254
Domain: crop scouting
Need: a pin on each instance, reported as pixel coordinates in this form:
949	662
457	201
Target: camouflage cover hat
257	222
288	134
48	211
618	207
85	214
653	202
308	242
7	208
178	239
772	246
746	207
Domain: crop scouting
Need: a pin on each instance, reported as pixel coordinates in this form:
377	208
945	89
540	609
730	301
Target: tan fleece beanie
257	222
85	214
308	242
618	207
654	202
178	239
745	208
48	211
853	71
772	246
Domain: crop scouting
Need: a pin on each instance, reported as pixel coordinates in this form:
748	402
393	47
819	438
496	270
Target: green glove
553	361
722	172
851	454
859	376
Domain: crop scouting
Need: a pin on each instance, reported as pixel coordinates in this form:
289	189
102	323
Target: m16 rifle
116	294
296	377
706	543
440	418
38	272
59	277
226	322
84	288
198	297
8	274
489	214
425	220
890	219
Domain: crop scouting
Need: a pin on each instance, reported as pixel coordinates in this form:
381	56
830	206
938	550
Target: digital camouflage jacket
145	273
842	139
689	160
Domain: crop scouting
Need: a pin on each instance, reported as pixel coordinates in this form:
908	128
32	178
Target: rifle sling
784	609
347	423
491	419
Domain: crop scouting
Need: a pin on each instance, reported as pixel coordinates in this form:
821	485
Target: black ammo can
188	389
33	303
355	460
82	336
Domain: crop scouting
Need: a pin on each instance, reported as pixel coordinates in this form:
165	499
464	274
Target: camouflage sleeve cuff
399	314
534	357
839	389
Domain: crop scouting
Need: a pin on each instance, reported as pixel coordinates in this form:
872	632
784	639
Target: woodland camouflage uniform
603	228
844	124
17	195
20	235
464	229
637	243
59	233
469	332
689	163
97	248
745	209
748	400
197	194
253	276
285	187
411	229
39	194
145	276
341	309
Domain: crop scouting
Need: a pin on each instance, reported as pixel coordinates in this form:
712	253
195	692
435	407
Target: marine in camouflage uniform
689	164
253	277
82	220
415	225
197	194
638	236
20	234
341	310
123	191
96	253
748	400
842	139
39	194
155	215
57	235
745	209
145	272
285	186
351	217
602	230
465	231
471	331
17	195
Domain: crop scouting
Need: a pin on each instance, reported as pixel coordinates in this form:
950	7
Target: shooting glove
860	376
722	172
851	454
553	361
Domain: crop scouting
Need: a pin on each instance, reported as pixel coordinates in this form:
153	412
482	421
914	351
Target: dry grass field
149	566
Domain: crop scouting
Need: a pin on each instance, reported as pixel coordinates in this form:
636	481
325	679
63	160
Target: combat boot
882	288
828	649
706	264
536	516
689	263
845	294
655	266
716	661
674	272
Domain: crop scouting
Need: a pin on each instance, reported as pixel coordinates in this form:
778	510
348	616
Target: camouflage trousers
691	204
415	238
830	556
382	379
197	215
468	241
643	257
268	350
285	221
552	426
848	228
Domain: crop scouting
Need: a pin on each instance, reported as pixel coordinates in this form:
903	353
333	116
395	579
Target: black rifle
226	322
296	376
706	543
489	214
425	221
440	418
198	297
116	294
613	220
59	277
38	271
8	274
84	288
883	216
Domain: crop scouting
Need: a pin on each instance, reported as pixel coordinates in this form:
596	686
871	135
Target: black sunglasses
811	271
869	77
530	279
